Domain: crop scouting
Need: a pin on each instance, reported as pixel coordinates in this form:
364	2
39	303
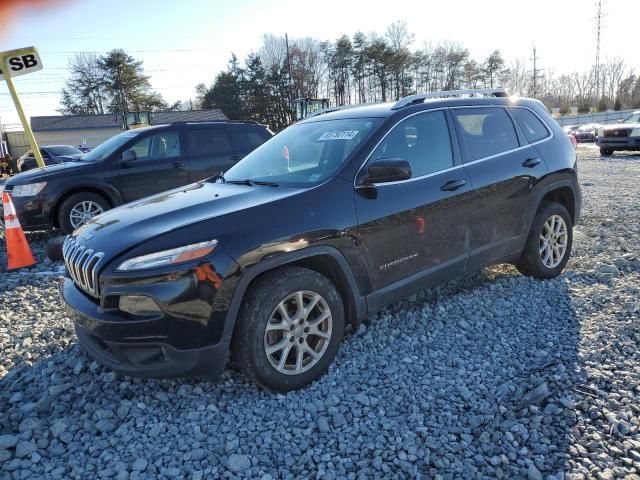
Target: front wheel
289	329
605	152
78	209
549	242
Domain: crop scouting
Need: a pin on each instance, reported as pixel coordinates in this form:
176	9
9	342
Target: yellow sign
14	63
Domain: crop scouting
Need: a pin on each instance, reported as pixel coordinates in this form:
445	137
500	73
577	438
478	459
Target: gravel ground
496	376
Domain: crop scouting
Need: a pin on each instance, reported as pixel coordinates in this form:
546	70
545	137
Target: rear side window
249	138
533	128
486	131
207	141
422	140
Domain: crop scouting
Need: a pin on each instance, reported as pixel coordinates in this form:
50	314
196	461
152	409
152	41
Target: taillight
574	142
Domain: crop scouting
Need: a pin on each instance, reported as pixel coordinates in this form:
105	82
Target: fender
112	194
575	189
248	275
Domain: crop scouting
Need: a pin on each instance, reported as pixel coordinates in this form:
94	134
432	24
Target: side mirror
128	156
384	170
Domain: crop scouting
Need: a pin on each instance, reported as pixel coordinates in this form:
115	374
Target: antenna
536	72
599	15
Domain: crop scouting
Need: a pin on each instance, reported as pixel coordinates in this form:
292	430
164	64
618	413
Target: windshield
64	150
304	154
106	148
633	118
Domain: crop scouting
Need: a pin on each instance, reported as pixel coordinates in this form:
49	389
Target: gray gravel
496	376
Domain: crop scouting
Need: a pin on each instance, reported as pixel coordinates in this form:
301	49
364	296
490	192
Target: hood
39	174
617	126
122	228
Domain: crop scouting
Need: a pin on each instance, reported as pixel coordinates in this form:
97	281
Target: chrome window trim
455	167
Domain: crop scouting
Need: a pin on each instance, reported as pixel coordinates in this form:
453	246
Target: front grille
82	264
616	133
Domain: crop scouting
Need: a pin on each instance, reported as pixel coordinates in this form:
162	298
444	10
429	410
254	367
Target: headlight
168	257
635	132
601	132
28	190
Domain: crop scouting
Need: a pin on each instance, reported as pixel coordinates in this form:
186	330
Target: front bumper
186	338
619	143
585	137
34	213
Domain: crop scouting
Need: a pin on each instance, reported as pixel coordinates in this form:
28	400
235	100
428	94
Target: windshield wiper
250	183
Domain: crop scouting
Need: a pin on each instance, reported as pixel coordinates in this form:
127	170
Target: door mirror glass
129	156
384	170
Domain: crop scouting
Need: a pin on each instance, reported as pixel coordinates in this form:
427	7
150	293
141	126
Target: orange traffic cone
18	251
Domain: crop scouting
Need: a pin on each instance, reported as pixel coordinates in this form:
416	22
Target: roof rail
186	122
471	92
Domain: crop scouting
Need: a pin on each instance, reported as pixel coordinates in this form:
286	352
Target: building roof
110	120
75	122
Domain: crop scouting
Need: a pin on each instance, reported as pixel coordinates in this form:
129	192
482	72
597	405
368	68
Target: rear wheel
605	152
549	243
78	209
289	329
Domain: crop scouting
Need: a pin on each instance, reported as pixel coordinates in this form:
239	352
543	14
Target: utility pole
286	42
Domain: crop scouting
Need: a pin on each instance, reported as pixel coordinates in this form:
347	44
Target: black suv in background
324	224
129	166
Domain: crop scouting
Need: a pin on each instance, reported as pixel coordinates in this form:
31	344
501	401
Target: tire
261	306
68	205
605	152
54	249
532	261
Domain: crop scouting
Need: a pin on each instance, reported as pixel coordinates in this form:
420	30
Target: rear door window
486	131
248	138
532	126
208	141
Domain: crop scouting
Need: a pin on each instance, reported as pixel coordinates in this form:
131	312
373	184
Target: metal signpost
14	63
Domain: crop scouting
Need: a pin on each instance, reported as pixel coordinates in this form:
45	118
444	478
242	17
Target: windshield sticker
315	177
338	135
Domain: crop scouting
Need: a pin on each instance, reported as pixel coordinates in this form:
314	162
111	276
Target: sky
186	42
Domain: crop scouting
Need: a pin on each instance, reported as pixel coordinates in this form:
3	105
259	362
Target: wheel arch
562	193
105	194
325	260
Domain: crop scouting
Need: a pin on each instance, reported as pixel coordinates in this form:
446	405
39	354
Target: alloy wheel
84	211
554	239
298	332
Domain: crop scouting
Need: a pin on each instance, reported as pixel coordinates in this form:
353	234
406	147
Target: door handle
531	162
178	164
452	185
237	158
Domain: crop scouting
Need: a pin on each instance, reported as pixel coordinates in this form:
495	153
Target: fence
602	117
18	144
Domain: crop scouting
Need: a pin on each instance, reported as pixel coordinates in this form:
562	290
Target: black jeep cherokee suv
325	223
131	165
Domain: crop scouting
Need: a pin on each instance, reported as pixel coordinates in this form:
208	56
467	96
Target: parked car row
75	187
623	135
